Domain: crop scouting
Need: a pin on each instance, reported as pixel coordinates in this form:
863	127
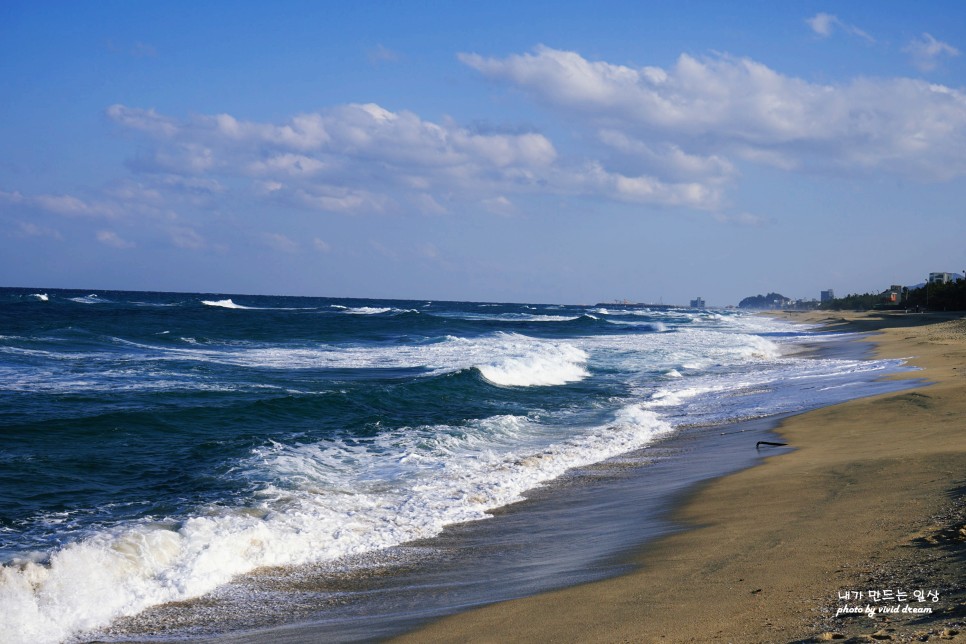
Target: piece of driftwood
769	443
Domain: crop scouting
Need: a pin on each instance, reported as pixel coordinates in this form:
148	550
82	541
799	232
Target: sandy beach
866	514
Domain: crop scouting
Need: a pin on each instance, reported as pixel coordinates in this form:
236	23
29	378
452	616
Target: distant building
940	278
827	296
894	295
697	303
803	304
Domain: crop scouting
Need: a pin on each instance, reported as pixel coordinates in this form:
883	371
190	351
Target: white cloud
65	205
676	137
131	191
147	206
280	242
427	204
112	239
667	158
587	85
503	150
363	158
177	159
499	205
927	52
739	97
428	251
713	109
11	198
351	149
143	120
382	250
321	245
287	164
594	179
342	200
264	188
824	24
185	237
382	54
742	219
30	229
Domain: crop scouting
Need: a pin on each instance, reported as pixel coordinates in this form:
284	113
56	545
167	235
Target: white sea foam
373	310
508	317
503	358
507	359
763	324
40	296
367	310
689	349
758	387
88	299
671	397
553	364
656	326
529	366
225	304
229	304
315	502
551	318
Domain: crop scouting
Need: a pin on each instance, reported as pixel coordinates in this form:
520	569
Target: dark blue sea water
156	445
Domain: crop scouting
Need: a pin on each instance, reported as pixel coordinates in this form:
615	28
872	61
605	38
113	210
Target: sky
557	152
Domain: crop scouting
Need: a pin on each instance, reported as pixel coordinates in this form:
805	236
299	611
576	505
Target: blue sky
544	151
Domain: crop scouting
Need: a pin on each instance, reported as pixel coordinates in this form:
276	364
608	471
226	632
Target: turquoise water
156	445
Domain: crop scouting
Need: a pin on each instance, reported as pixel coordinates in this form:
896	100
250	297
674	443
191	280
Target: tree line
929	297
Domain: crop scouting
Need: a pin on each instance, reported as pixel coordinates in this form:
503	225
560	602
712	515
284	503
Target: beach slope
870	499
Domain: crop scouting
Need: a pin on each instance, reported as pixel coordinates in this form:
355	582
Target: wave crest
89	299
225	304
538	365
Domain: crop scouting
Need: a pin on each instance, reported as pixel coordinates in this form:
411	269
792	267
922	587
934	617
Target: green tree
770	301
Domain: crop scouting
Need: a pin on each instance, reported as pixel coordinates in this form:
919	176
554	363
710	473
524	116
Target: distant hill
770	301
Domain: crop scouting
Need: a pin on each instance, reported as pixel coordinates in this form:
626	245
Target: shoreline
573	530
871	498
566	532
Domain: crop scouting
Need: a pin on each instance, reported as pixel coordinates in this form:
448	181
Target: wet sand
870	499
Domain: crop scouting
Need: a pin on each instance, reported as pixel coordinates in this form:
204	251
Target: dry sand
871	498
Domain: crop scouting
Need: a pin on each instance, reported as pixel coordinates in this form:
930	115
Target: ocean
285	458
